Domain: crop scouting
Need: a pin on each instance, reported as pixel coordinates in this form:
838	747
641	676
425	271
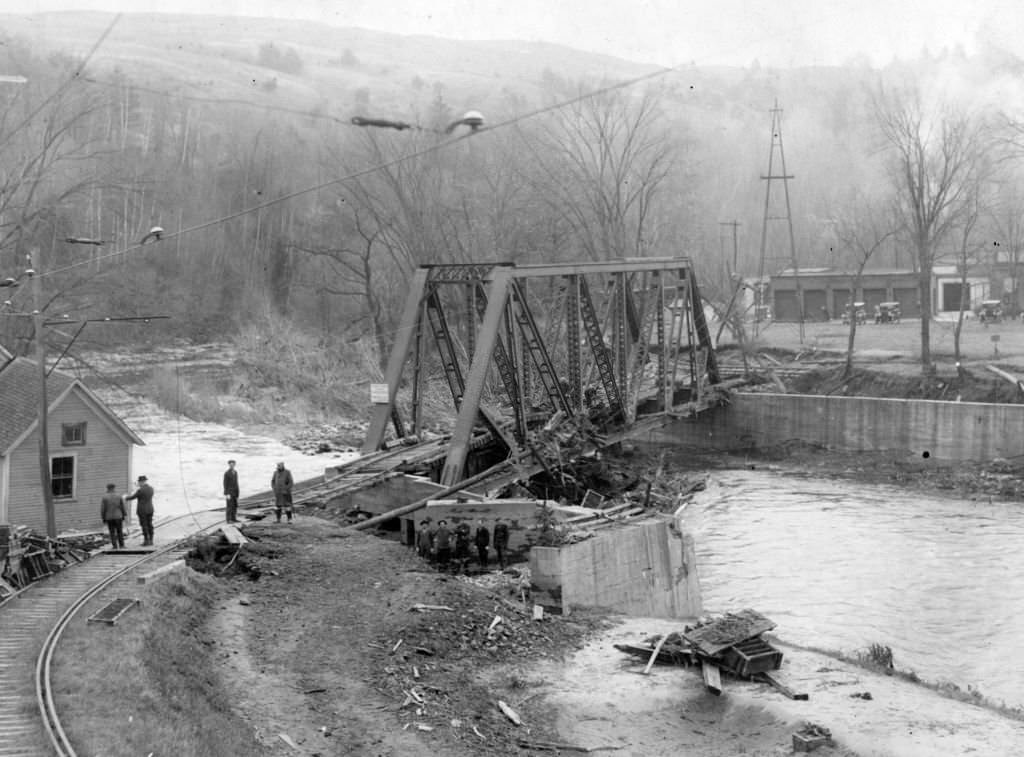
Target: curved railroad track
30	723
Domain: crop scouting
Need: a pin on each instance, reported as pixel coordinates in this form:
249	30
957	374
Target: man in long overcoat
143	495
281	482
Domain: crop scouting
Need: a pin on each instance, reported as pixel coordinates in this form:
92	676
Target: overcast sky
667	32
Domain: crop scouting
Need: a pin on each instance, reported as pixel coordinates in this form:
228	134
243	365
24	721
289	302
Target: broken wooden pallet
113	610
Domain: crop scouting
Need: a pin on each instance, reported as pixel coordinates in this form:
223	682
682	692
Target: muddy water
841	565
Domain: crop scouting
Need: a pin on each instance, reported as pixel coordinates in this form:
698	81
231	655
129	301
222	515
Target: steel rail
59	739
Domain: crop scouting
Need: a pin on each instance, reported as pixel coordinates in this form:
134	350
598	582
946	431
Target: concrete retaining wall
647	569
944	430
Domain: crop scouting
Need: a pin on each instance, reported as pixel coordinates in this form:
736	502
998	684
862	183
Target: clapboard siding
104	458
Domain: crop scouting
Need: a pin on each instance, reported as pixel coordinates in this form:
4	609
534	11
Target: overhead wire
430	149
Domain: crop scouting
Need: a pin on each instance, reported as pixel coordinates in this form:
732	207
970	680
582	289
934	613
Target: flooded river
841	565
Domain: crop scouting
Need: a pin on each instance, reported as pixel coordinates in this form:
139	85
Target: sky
664	32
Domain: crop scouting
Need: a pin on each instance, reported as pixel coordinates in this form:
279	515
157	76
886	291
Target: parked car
858	309
990	311
887	312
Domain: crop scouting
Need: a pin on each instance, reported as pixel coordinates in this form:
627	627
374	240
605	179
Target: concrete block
161	571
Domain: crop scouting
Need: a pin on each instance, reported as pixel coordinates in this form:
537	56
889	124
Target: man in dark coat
144	509
231	493
112	513
443	543
501	540
281	482
462	546
482	539
423	539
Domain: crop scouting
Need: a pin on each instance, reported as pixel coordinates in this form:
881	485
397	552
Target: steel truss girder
501	327
603	361
534	342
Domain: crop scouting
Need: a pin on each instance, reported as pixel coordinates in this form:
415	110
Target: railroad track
30	723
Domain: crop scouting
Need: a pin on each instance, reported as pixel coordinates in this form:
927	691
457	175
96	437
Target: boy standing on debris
500	540
144	509
112	512
482	539
281	482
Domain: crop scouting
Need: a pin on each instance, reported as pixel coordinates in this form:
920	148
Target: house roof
19	401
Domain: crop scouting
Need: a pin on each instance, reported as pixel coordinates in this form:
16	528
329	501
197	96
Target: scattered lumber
426	608
509	713
557	746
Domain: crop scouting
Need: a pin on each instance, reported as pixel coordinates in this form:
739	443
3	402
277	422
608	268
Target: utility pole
45	479
735	243
771	176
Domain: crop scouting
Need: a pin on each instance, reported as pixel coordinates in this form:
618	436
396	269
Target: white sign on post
379	394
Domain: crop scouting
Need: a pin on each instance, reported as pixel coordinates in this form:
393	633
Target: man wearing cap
424	539
231	493
281	482
112	512
144	509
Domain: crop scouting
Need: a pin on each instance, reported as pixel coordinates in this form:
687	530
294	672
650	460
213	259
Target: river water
841	565
185	460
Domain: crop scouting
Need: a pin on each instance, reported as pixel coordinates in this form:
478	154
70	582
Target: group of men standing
115	511
443	545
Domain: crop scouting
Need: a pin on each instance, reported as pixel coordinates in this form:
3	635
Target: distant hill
218	57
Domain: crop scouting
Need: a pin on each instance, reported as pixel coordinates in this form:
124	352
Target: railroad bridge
597	351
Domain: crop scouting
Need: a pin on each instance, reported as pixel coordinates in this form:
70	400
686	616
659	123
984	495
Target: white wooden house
89	447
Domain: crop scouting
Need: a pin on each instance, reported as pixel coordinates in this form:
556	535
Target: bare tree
860	233
937	157
600	165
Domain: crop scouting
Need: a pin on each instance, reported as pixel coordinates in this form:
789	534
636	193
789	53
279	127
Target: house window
62	476
72	434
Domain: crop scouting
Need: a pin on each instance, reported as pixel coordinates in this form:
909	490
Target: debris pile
733	643
341	437
27	556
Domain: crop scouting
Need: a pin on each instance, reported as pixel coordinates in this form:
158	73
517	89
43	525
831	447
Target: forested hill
235	136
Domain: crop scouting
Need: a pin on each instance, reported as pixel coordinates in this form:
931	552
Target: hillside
216	57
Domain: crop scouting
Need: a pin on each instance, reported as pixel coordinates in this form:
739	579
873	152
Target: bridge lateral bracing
514	345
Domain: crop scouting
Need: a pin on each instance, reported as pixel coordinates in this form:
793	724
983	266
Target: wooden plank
161	571
712	677
654	654
718	635
773	679
233	535
6	590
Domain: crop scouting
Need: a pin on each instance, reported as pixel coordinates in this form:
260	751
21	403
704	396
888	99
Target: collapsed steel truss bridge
611	340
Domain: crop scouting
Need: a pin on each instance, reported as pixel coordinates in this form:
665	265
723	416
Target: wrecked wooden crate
750	657
734	644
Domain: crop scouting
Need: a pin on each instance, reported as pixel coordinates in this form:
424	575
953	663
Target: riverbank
365	674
